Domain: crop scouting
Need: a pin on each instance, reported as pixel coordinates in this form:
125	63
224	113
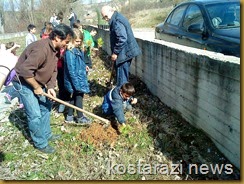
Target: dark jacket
122	40
113	104
39	60
75	77
72	20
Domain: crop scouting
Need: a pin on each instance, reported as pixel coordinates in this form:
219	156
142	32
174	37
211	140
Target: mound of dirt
99	136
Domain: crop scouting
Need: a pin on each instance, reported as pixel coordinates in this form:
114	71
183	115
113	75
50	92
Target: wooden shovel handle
111	75
77	108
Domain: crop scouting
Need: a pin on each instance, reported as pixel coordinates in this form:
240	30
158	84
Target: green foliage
140	140
34	176
131	177
87	148
124	130
9	157
88	43
132	120
100	42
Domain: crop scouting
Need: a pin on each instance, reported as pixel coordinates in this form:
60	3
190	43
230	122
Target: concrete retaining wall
12	35
203	86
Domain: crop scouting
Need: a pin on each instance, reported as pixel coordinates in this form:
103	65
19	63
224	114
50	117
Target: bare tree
1	17
23	12
71	1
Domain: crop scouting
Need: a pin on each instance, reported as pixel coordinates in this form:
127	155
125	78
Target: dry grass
149	18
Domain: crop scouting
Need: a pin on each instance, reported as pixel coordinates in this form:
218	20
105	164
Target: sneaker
54	137
48	149
7	98
61	108
83	120
69	119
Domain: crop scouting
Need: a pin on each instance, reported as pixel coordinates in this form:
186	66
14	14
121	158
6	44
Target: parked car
206	24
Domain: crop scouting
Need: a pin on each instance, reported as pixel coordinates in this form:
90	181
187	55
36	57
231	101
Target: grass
154	134
149	18
18	40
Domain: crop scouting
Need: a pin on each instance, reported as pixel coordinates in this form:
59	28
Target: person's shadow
18	118
2	157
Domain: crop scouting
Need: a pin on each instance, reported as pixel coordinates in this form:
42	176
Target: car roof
205	2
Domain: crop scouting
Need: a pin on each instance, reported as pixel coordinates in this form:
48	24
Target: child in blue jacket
75	77
117	100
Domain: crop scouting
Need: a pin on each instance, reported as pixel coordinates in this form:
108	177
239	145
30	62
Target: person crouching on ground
75	77
117	100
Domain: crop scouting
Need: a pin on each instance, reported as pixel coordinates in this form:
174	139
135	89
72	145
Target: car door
171	28
192	28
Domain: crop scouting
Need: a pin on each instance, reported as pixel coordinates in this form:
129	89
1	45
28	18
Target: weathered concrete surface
12	35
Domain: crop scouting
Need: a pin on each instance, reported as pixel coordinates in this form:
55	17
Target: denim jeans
122	72
38	110
13	93
88	60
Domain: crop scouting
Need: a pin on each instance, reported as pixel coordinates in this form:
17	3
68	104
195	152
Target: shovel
107	122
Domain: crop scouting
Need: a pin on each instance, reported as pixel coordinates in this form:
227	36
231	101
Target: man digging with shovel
37	71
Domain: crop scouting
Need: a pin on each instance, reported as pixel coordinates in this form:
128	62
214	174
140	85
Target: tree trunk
1	17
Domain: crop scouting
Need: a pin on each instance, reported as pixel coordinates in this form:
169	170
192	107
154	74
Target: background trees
15	15
1	17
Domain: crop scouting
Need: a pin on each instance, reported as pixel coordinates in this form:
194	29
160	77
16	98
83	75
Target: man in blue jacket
123	43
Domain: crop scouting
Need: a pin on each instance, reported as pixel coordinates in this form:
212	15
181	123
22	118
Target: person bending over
117	100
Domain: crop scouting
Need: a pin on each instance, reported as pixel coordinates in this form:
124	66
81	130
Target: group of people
37	71
57	19
123	48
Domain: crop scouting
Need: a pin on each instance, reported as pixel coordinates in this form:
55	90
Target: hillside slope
149	18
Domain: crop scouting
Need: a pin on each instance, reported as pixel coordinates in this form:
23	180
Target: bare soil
99	135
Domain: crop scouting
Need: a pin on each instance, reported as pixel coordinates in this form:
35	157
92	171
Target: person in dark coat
72	17
123	43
